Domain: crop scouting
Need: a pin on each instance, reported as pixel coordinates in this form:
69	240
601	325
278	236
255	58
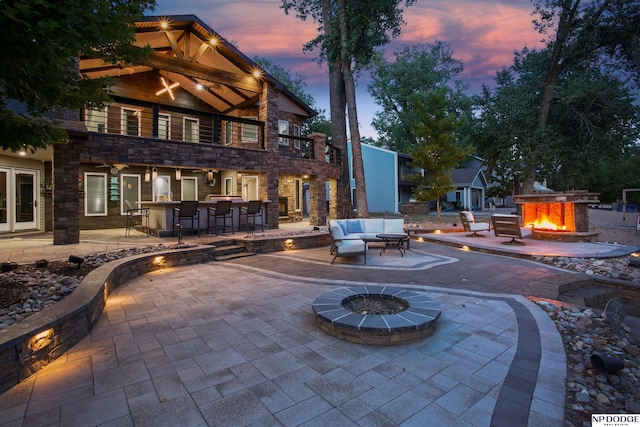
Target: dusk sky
482	33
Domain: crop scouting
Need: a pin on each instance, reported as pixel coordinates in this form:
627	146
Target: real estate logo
615	420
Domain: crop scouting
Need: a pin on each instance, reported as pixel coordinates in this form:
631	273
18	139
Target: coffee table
393	240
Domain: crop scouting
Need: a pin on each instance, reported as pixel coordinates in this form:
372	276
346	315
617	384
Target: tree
414	72
436	151
591	34
40	43
593	117
348	35
297	85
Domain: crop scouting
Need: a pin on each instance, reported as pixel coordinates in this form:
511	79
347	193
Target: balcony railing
408	174
147	120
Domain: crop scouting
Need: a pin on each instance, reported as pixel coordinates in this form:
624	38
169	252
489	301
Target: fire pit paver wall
412	325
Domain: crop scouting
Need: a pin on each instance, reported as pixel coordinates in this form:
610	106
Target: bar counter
161	215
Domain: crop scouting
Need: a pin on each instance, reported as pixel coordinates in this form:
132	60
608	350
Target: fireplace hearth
558	216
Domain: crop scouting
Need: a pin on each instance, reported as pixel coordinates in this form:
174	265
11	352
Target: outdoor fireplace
283	206
558	216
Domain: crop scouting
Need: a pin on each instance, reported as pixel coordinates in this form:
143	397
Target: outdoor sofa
350	236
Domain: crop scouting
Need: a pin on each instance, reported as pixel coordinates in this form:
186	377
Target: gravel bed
614	268
30	288
589	391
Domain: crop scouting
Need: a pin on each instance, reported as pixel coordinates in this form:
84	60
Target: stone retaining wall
33	343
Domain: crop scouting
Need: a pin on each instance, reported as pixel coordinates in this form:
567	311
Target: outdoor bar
161	213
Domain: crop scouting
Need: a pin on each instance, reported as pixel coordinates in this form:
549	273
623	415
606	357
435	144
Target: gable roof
202	62
466	177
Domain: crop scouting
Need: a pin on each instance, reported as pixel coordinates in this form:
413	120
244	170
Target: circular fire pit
376	315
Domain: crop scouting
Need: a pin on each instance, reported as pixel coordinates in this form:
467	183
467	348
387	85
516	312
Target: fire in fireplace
558	216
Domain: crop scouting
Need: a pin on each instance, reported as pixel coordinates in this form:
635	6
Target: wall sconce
239	174
147	175
210	175
154	174
178	174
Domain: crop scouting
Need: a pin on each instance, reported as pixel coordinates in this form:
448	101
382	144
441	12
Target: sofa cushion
394	225
343	226
336	232
351	247
374	225
354	226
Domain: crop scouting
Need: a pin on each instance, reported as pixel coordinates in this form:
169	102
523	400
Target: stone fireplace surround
569	209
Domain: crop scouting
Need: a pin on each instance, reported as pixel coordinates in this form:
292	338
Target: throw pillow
354	226
343	226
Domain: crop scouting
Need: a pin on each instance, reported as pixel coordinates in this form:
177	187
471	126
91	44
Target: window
131	122
96	120
297	194
162	188
249	132
95	194
228	133
164	126
130	191
191	129
189	188
283	129
296	132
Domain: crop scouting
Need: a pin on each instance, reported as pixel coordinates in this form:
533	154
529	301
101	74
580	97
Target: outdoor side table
393	240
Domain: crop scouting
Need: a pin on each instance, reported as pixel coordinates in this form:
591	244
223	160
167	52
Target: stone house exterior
197	120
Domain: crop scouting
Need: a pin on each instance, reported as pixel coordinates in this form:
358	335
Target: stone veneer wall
109	148
287	243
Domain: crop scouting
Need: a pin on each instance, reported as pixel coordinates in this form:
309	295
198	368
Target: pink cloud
482	33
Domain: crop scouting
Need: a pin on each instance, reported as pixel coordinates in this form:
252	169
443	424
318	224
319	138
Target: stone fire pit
376	315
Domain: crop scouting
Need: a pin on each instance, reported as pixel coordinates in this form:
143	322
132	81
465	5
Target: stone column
269	115
66	195
317	200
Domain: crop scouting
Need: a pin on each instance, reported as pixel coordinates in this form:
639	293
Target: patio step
228	249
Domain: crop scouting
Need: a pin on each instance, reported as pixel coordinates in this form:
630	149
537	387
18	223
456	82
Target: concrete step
234	256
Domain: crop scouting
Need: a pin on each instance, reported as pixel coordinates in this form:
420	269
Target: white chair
345	247
469	223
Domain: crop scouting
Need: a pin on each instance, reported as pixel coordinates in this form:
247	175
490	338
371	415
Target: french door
5	174
19	199
26	200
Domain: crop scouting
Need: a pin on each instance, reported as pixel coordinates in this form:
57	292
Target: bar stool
222	210
135	214
188	210
252	211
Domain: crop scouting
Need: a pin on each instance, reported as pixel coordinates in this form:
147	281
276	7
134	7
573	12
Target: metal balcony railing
147	120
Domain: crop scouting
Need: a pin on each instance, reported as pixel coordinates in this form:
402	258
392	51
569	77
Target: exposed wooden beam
174	44
193	69
246	104
201	50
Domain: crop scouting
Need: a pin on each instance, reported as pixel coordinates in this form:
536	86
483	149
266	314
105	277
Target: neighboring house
381	178
197	118
389	178
471	187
